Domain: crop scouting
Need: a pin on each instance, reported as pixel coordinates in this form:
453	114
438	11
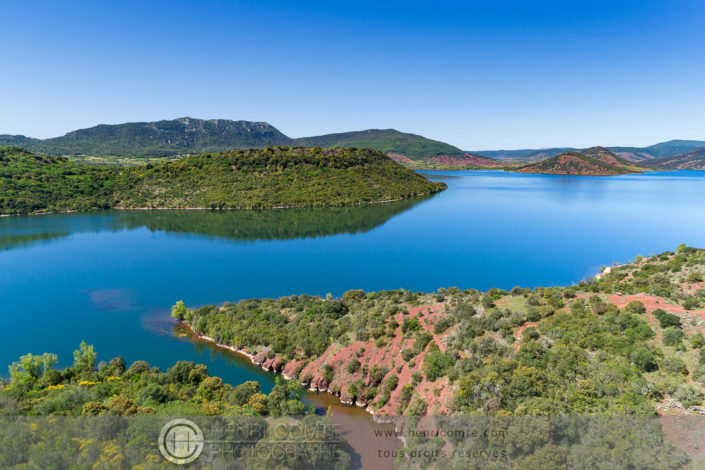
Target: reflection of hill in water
273	224
282	224
17	240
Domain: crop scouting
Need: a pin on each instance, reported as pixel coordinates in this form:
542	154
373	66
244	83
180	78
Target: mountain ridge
186	135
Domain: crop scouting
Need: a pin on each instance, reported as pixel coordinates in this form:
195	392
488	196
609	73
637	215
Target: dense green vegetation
87	388
558	373
271	177
543	357
111	392
581	353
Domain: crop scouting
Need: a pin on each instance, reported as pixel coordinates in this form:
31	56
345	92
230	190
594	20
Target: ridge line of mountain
186	135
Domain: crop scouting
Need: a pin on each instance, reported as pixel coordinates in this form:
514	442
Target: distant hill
693	160
412	146
192	136
522	155
157	139
189	136
633	154
270	177
597	161
663	149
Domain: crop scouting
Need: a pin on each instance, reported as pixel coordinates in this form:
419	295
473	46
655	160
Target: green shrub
635	307
666	319
675	365
689	395
353	365
672	336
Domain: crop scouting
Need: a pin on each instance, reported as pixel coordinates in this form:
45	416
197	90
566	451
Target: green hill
270	177
693	160
157	139
186	135
412	146
597	161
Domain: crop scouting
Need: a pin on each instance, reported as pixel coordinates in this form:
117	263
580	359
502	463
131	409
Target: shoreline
236	208
286	377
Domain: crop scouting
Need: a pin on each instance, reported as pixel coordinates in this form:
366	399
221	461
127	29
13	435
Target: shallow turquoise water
110	277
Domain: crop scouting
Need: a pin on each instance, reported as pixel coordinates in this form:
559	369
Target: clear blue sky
477	74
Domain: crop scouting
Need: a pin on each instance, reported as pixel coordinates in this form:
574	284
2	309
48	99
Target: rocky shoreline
288	371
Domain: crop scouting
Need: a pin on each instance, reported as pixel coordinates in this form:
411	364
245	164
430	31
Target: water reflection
241	225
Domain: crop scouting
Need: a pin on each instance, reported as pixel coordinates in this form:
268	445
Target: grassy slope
273	177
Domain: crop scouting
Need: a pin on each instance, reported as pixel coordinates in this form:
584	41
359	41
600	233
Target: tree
25	372
436	364
643	359
180	372
179	310
84	358
243	392
117	365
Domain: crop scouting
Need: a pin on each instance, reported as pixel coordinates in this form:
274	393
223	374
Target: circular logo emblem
181	441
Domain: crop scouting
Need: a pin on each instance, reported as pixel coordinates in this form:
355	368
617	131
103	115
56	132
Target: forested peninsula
547	350
275	177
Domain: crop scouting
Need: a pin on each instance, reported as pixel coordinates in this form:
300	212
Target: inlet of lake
111	277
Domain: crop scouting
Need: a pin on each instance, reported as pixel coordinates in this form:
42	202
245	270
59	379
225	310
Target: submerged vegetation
270	177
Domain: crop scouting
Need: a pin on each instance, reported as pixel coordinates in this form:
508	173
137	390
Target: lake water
111	277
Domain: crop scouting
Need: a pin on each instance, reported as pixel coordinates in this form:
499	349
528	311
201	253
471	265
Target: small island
274	177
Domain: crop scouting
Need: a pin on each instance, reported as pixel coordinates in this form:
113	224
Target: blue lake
111	277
